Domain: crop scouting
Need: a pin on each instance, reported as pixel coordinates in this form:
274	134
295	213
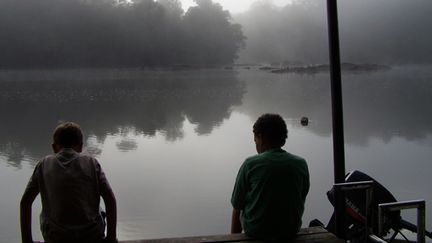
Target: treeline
111	33
371	31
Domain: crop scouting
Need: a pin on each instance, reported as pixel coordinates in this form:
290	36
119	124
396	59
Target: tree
95	33
212	38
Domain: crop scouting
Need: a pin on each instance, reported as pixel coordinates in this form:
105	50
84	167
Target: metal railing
367	186
420	205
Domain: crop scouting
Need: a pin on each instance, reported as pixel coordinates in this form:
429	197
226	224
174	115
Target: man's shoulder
280	156
254	159
48	157
276	154
296	161
295	157
79	158
44	160
87	157
89	160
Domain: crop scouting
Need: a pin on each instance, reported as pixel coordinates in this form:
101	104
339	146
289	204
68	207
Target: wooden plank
312	230
307	235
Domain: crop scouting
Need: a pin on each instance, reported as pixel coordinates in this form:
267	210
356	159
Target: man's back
70	185
271	189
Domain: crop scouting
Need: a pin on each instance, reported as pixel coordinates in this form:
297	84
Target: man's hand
25	215
236	226
111	213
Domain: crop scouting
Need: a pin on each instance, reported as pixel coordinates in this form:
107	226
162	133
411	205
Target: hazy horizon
386	32
237	6
100	33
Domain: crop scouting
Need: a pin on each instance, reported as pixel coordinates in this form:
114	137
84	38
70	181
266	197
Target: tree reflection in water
109	102
381	105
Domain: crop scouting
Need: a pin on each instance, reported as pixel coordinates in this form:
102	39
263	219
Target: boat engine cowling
355	203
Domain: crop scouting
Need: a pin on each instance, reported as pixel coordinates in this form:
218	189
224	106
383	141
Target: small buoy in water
304	121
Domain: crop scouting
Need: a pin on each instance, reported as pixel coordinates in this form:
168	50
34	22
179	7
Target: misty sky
234	6
69	33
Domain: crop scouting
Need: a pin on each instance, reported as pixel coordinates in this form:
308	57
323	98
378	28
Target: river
171	141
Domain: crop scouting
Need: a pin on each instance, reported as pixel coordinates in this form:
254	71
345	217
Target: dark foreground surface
313	234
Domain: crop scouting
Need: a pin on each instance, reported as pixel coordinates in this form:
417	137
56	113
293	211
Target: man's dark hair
68	134
273	128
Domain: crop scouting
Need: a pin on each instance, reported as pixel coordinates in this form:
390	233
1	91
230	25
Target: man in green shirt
271	187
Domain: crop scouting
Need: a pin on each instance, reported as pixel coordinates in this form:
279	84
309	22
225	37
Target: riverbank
321	68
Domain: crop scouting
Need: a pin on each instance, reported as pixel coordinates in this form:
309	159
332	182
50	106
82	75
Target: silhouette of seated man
271	187
70	185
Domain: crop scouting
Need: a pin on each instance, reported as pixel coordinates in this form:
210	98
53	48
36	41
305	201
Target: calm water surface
171	142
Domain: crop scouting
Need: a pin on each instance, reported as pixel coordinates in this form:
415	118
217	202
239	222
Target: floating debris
304	121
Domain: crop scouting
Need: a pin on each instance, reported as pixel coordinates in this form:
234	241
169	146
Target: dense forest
371	31
138	33
111	33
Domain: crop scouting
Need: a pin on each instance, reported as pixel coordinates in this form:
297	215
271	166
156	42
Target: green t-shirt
271	190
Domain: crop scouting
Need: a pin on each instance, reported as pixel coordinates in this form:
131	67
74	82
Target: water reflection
110	102
381	105
389	105
127	145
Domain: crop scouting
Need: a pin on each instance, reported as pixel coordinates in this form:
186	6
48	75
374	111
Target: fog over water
371	31
106	33
169	114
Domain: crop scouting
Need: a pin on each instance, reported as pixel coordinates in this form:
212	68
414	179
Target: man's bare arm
236	226
111	211
26	215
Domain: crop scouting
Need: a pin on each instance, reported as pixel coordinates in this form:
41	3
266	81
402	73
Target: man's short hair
68	134
272	127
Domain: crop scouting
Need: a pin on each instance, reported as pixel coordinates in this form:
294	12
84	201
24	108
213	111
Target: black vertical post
337	114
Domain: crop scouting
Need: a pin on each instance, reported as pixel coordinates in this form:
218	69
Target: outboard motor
356	212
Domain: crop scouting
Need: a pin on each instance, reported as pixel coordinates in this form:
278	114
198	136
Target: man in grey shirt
70	185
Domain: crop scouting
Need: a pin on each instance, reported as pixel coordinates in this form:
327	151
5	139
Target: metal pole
421	222
337	114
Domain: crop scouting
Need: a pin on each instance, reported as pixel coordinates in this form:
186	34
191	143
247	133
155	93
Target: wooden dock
307	235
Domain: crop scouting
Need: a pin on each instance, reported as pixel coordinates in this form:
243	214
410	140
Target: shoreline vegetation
116	34
276	68
323	68
151	34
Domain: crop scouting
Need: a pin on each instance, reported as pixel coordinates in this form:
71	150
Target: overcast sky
234	6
